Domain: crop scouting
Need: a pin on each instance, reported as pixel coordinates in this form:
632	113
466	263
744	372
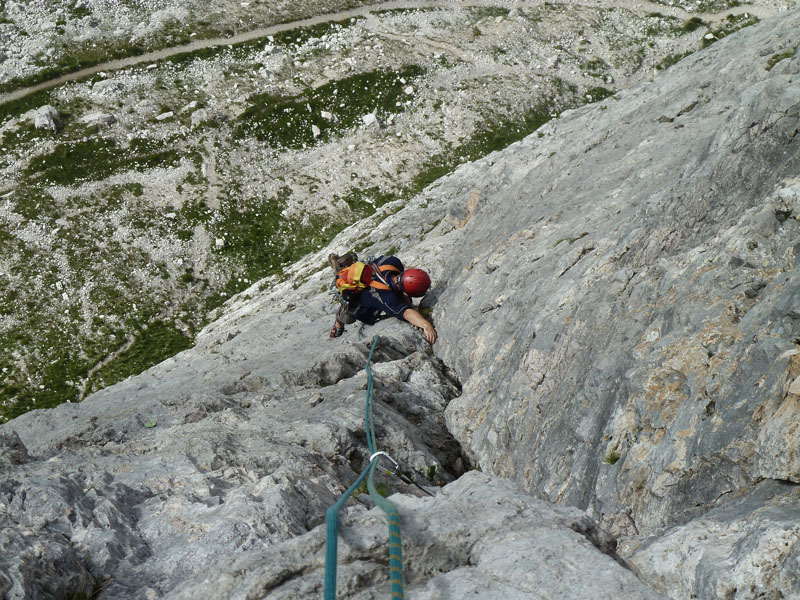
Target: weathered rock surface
153	484
480	536
616	295
99	118
194	464
631	318
747	548
46	117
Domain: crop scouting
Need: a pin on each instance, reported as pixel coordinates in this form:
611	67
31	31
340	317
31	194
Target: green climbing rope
395	541
332	515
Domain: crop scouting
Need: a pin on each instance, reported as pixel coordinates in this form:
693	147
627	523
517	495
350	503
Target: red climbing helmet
415	282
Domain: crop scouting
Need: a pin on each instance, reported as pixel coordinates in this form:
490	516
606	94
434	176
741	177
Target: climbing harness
393	517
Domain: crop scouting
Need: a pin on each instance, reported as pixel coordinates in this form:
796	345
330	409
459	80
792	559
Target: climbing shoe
347	259
337	330
333	261
338	263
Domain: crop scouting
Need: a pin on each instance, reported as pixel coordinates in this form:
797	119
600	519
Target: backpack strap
379	281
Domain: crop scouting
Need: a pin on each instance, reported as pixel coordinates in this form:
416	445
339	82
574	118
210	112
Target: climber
388	294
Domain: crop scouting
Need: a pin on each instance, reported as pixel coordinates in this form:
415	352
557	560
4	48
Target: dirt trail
165	53
763	10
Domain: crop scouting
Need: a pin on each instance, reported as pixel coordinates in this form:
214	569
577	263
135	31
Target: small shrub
776	58
478	13
596	67
287	122
691	25
731	24
431	473
672	60
597	94
363	202
570	240
382	489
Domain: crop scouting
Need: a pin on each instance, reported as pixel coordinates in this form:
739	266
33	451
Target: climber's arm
414	317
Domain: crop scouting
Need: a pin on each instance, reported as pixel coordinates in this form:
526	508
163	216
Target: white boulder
99	118
46	117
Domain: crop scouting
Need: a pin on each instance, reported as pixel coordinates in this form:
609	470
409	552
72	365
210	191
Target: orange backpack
359	276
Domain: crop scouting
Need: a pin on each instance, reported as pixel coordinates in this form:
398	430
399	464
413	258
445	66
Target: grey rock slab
618	284
149	484
777	444
12	450
108	86
193	105
479	536
749	548
205	115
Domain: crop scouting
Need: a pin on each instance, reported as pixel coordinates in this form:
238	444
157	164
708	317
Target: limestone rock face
748	548
629	316
219	463
631	319
161	479
480	536
12	450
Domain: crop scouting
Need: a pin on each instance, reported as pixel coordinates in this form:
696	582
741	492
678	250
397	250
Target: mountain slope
136	199
616	302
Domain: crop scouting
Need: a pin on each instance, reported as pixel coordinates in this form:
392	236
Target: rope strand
393	516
